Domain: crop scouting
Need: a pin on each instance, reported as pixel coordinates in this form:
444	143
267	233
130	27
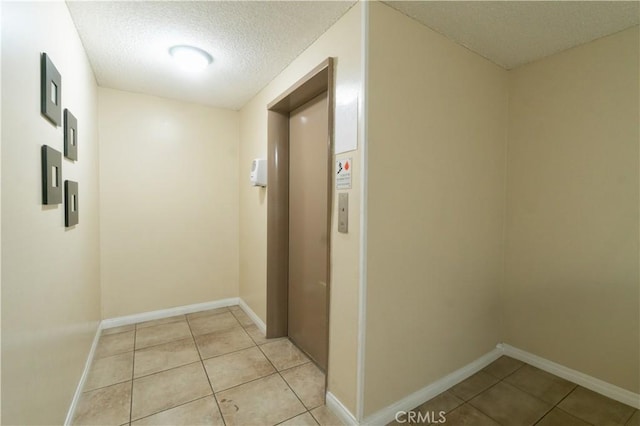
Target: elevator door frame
319	80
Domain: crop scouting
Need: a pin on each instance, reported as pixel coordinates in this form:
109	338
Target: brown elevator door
308	228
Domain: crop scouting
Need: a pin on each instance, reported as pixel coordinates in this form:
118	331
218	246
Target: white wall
572	292
50	275
169	203
343	42
436	128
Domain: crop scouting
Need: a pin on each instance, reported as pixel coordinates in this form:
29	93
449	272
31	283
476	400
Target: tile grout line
311	360
171	408
469	402
249	334
508	375
237	319
533	396
314	417
102	333
301	414
106	386
254	340
538	398
559	402
626	422
84	388
475	408
630	417
253	324
209	316
163	343
165	370
299	365
480	393
164	322
224	422
283	379
175	340
160	344
229	353
183	338
247	382
294	392
545	414
554	405
522	390
109	356
96	356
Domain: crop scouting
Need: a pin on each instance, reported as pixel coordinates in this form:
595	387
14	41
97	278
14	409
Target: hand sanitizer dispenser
259	172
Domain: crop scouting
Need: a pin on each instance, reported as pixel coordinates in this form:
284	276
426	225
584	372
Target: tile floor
209	368
216	368
511	393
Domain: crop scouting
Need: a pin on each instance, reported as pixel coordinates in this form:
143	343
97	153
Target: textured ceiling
127	44
512	33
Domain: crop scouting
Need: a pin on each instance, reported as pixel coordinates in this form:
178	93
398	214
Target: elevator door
309	227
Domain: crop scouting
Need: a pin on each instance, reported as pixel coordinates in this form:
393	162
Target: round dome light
190	58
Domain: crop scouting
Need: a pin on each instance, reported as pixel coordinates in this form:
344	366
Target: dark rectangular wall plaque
70	203
50	90
51	176
70	135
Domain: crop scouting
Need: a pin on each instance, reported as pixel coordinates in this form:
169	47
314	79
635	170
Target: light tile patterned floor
208	368
511	393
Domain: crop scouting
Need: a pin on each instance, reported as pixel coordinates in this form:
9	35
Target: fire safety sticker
343	173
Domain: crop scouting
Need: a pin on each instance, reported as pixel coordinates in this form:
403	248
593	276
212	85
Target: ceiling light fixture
190	58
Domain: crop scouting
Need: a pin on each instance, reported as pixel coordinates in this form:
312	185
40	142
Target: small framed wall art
50	90
51	176
70	136
70	203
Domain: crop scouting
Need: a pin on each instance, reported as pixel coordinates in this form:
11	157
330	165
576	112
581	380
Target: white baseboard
411	401
254	317
584	380
341	412
83	378
387	414
165	313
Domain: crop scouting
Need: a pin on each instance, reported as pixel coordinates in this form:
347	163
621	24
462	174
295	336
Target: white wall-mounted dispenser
259	172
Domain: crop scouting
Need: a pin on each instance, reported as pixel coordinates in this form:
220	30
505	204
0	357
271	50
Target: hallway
213	367
483	200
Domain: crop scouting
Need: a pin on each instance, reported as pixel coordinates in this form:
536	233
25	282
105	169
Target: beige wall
0	216
50	275
436	146
572	286
169	203
341	41
180	223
